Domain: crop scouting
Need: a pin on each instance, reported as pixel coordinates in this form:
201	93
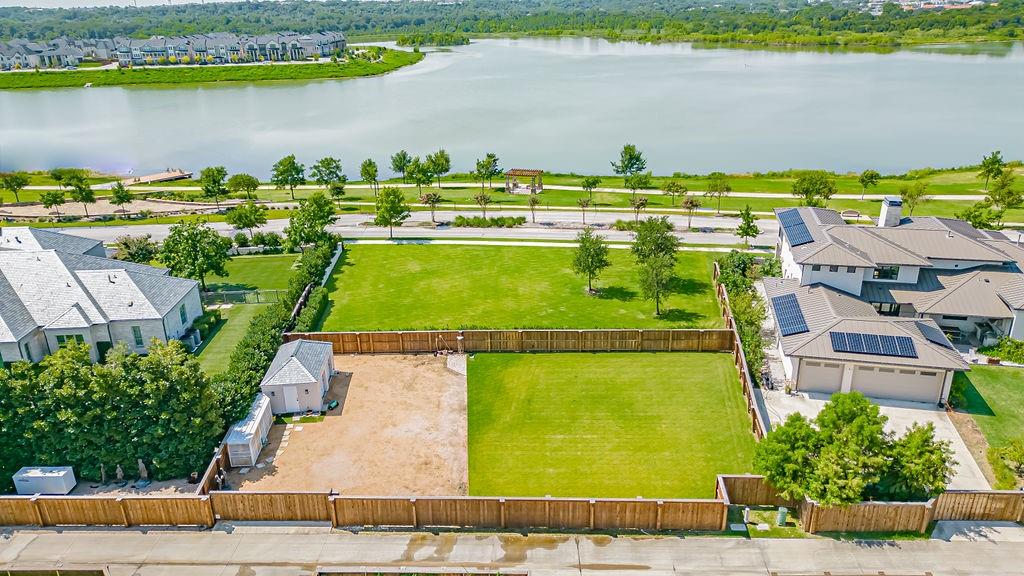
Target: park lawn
264	272
215	352
657	425
995	399
391	60
420	287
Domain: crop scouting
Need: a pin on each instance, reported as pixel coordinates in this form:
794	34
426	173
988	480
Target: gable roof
988	291
298	362
25	238
57	290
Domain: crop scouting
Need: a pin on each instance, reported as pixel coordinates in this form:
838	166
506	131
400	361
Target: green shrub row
310	315
207	322
493	222
738	272
254	352
1007	349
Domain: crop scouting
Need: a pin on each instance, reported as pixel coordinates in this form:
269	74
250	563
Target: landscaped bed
410	287
605	425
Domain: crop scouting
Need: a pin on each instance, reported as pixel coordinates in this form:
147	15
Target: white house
968	281
299	377
54	289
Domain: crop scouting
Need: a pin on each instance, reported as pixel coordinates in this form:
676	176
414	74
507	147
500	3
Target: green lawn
605	425
270	272
995	398
216	350
418	287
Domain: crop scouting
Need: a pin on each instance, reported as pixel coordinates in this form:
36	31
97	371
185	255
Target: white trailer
248	436
51	480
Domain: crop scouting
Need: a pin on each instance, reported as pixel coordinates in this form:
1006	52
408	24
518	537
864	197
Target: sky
81	3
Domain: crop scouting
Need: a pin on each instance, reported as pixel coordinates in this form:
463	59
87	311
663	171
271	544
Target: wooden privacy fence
506	513
611	340
460	512
988	505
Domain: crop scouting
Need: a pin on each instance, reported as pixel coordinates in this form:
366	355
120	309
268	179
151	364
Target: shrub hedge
1007	349
254	352
493	222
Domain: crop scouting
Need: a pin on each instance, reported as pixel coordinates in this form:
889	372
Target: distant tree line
786	22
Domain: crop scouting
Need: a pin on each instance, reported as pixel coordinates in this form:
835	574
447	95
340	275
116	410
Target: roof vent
110	279
949	234
131	303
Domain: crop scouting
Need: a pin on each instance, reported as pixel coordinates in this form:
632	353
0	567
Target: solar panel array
876	344
796	231
789	315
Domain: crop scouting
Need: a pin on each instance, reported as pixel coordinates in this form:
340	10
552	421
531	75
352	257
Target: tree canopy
308	225
590	256
194	250
844	456
391	209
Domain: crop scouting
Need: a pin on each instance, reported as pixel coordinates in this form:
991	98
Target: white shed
53	480
299	377
247	437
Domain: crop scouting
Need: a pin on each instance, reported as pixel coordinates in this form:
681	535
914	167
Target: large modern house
882	309
57	288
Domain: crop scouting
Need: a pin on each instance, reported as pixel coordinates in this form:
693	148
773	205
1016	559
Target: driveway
967	475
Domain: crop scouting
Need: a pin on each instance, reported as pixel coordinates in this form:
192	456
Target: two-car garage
908	384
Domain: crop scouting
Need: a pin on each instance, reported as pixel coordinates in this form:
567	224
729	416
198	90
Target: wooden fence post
39	513
211	517
657	518
124	512
591	514
401	342
640	340
926	516
547	511
501	509
332	511
415	520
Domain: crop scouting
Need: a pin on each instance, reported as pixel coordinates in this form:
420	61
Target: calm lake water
560	105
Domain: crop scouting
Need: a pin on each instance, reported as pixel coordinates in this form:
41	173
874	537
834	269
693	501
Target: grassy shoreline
155	76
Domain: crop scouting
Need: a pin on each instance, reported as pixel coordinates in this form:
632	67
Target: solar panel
798	235
906	347
855	342
790	217
874	344
789	315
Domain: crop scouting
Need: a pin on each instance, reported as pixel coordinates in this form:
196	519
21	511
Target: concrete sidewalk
282	550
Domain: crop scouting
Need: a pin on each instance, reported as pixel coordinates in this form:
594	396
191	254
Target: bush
493	222
271	241
241	240
315	305
1007	349
738	271
625	225
207	322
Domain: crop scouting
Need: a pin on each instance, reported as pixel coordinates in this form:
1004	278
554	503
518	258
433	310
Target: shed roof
298	362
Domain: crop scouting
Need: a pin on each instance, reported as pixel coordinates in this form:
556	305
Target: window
63	339
851	270
961	318
307	391
816	268
887	308
928	373
183	315
833	268
887	370
28	353
886	273
137	334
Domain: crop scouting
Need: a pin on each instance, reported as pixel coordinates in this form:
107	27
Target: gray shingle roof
298	362
18	238
988	291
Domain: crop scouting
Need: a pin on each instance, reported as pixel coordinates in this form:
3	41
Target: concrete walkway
283	551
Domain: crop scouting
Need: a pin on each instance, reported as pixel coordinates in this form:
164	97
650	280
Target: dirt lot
400	429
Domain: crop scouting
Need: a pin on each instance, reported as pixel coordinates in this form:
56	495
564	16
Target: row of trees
786	21
654	250
160	408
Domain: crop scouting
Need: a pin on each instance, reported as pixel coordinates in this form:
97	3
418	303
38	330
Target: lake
556	104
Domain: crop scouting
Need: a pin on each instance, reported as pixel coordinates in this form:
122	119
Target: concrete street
551	225
284	550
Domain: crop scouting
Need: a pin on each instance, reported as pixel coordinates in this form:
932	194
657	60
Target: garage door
819	377
910	385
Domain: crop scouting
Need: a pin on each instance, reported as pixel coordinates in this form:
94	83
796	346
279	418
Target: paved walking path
550	226
284	551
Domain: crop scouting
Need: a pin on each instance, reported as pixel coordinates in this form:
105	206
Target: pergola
512	184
